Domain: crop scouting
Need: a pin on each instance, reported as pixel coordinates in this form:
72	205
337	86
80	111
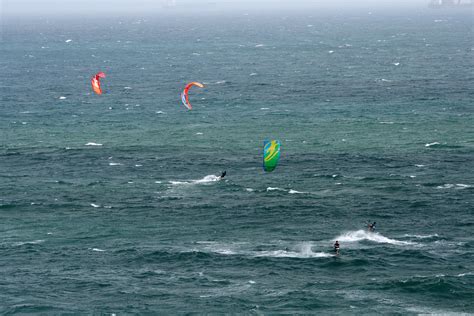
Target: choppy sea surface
111	205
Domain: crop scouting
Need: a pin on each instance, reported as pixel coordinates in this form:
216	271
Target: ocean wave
207	179
293	254
302	250
289	191
439	284
360	235
93	144
296	192
34	242
429	311
458	186
275	189
421	236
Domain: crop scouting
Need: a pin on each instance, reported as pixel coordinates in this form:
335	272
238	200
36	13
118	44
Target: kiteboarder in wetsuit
336	247
371	227
223	174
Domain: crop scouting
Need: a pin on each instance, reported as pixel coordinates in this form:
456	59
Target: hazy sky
41	7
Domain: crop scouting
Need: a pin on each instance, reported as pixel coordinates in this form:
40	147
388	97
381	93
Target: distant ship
451	3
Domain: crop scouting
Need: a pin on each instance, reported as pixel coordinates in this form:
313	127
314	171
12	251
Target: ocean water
111	205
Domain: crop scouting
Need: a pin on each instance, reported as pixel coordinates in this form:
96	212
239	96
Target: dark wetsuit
372	227
336	247
223	174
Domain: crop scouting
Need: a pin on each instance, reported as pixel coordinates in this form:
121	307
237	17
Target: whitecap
419	166
331	51
249	189
34	242
127	88
115	164
220	82
296	192
396	64
217	248
93	144
275	189
97	249
95	205
160	112
207	179
224	251
292	254
264	108
138	165
458	186
421	236
359	235
199	133
431	144
62	98
386	122
259	45
253	74
69	41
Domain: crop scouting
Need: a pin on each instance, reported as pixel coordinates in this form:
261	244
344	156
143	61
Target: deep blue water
109	204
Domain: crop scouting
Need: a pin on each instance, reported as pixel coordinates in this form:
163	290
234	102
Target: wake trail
207	179
360	235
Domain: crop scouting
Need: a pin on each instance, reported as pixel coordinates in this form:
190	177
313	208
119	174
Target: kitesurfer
371	227
223	174
336	247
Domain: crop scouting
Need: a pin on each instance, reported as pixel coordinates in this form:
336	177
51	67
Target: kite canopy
184	94
95	82
271	154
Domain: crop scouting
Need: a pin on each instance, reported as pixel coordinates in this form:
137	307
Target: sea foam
359	235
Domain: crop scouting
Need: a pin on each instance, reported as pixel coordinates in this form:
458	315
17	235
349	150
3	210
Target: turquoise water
110	204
